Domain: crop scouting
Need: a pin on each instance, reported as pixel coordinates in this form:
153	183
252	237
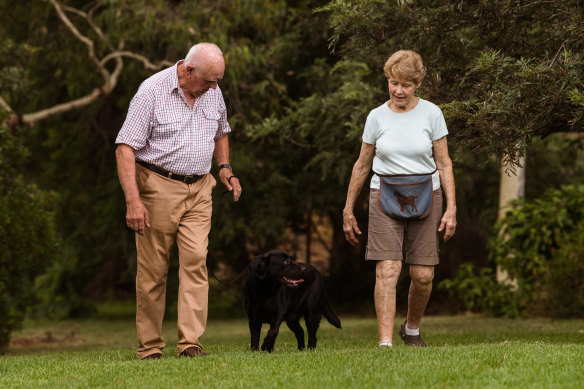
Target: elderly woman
405	136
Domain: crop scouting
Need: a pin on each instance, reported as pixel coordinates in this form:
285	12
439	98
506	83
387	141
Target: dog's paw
268	348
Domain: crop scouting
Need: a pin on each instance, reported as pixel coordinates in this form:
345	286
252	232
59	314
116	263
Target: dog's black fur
279	289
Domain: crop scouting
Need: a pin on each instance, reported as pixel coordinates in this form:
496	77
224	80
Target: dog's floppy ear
259	266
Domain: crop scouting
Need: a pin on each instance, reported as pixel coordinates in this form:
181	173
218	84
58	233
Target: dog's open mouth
291	283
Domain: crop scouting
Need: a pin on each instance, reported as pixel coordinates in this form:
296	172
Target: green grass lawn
463	352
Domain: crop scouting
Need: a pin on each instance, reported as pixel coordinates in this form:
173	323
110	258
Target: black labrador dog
279	289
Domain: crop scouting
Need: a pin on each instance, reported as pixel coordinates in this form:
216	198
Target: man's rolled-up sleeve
223	125
138	125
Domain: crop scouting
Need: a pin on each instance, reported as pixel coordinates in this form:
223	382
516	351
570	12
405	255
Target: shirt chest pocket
210	121
167	123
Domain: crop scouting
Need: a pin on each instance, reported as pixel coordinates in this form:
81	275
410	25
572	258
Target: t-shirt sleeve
371	132
439	129
138	124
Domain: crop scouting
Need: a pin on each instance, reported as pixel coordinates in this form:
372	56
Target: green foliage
539	245
530	237
481	292
509	106
324	130
563	283
27	235
533	230
13	78
554	161
72	154
505	72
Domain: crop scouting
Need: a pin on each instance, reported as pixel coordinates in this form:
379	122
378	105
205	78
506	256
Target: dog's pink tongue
296	281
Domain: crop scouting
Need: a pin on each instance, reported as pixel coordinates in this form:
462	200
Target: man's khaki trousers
178	213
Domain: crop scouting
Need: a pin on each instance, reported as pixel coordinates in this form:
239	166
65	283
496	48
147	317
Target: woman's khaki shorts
387	236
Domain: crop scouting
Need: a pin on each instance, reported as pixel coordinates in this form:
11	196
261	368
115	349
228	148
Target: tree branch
299	144
5	105
110	79
89	18
562	47
88	42
147	64
31	118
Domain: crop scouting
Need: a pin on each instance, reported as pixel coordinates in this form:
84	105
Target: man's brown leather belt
186	179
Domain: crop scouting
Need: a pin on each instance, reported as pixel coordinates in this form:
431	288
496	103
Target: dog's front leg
294	325
255	328
270	339
312	324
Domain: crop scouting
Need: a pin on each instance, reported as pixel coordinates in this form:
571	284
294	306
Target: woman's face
401	93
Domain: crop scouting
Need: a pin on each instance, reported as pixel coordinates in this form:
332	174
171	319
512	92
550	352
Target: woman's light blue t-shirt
403	141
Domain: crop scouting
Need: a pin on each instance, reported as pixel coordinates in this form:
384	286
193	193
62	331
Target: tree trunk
512	187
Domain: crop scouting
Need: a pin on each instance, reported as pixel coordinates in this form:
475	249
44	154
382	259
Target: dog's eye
286	261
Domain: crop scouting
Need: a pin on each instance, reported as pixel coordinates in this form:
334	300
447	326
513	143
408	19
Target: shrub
539	244
529	237
27	237
564	282
481	292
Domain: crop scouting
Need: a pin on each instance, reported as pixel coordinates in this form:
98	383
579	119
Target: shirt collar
174	78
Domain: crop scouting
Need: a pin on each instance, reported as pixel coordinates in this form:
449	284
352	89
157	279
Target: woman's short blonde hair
405	65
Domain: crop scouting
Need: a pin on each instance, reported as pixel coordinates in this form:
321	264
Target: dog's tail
331	316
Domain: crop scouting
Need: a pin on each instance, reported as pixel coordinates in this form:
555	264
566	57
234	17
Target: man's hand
231	182
137	216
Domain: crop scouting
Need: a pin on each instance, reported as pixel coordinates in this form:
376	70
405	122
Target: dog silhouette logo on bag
398	192
405	200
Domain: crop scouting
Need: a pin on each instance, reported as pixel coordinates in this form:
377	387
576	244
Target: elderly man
176	123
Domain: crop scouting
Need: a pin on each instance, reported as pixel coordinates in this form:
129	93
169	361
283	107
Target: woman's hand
448	224
358	176
350	227
444	165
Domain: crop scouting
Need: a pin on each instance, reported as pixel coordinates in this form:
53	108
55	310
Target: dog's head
277	265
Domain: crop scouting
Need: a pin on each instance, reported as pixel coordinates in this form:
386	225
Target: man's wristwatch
225	166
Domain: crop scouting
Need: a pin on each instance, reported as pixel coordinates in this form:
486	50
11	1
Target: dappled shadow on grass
41	337
71	335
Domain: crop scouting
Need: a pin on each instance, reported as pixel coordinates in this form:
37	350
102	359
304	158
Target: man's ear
260	266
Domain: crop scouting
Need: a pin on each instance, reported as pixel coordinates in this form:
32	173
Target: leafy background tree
28	241
301	77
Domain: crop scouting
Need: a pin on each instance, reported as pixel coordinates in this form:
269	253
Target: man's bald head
206	57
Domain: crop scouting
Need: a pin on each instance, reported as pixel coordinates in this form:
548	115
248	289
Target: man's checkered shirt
165	131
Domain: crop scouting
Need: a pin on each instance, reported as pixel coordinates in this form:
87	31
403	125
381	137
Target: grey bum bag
406	196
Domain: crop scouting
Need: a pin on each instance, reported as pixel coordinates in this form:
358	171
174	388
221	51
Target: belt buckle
190	179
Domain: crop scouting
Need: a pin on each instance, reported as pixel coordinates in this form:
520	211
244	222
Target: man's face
201	80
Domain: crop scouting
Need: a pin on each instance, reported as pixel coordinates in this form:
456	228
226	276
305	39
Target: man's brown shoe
193	352
153	356
410	340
